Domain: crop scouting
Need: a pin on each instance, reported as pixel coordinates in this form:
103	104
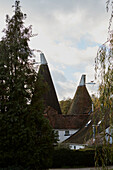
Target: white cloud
62	25
77	76
73	19
64	87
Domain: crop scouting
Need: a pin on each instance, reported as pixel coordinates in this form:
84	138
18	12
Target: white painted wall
62	134
76	146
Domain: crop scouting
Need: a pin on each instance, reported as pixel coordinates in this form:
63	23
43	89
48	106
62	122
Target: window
74	147
88	123
67	133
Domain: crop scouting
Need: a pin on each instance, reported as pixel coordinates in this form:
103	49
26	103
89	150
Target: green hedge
73	158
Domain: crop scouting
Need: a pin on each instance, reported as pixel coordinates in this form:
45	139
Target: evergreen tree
26	138
40	126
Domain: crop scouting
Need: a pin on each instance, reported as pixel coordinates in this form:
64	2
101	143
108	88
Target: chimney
43	59
83	80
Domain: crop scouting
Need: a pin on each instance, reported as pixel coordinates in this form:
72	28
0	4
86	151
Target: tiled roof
50	97
59	121
82	102
85	133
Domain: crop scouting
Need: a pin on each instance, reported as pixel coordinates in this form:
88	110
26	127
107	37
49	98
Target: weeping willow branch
109	4
104	73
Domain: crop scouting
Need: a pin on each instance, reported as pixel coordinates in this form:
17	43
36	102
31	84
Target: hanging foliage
104	75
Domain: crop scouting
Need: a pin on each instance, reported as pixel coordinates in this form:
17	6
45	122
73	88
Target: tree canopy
65	105
104	73
26	138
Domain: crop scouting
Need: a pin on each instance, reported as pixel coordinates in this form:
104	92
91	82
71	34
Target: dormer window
88	123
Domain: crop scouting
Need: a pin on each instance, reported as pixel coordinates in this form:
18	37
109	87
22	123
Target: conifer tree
26	138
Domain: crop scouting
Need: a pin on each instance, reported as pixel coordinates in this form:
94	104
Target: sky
69	34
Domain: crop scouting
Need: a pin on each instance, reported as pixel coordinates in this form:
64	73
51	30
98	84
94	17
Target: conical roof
82	103
50	97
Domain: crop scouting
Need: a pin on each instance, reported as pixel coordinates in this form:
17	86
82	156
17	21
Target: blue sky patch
85	42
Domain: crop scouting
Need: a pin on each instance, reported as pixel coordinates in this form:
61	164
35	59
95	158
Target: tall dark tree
26	138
